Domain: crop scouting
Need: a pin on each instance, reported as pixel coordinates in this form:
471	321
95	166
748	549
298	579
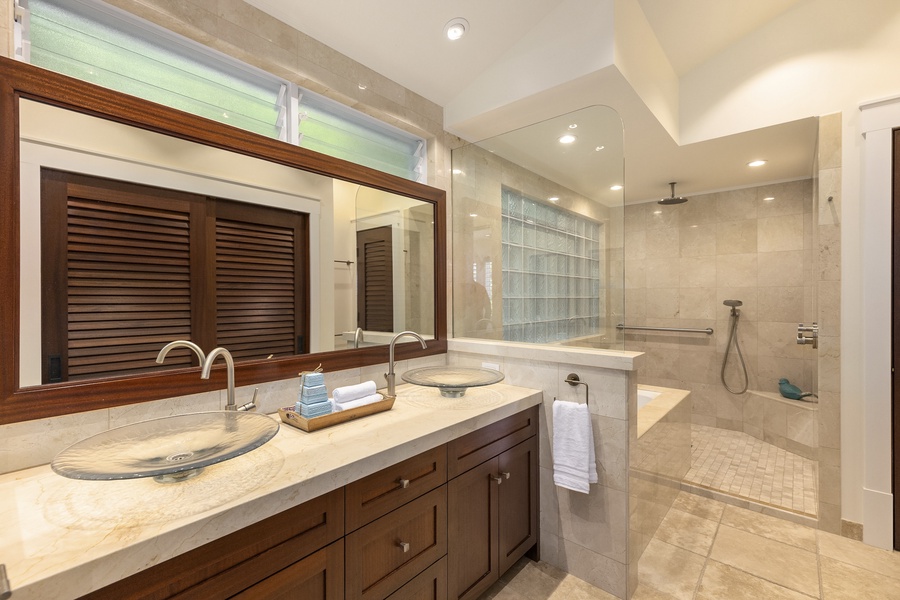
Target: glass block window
551	271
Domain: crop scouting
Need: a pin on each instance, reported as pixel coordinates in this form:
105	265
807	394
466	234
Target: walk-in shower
733	341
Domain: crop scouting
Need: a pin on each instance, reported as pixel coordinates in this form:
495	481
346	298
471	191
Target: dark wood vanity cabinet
300	547
493	506
402	533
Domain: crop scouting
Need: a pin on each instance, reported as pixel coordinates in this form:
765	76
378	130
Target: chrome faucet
229	370
389	376
180	344
358	337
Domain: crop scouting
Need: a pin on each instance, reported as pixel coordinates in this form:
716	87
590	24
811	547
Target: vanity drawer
387	553
430	584
380	493
484	444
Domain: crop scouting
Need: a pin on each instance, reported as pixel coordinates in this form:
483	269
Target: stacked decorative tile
313	400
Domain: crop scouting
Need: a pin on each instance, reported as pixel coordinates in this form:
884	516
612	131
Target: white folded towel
350	393
574	458
339	406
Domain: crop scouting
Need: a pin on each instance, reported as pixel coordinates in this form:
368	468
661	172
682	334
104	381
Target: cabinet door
319	576
518	502
474	530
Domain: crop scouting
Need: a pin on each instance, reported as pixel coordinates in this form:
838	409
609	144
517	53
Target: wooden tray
291	417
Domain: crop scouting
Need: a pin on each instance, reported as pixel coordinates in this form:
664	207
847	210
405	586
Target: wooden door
375	279
518	502
474	532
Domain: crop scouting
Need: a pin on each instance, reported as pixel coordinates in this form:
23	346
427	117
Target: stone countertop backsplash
63	538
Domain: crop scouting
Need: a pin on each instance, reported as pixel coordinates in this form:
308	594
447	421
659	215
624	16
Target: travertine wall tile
6	34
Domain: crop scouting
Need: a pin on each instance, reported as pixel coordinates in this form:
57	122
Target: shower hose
732	339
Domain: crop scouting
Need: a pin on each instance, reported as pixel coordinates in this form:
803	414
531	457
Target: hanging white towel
353	392
574	458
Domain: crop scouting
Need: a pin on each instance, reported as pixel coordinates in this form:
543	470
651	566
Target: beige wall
6	35
683	261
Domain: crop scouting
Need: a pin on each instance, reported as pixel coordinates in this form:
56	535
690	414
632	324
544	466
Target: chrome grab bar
707	331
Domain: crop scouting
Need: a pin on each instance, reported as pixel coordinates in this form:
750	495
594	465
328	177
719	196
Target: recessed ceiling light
657	212
457	171
599	148
615	188
362	86
756	163
473	214
769	199
553	198
573	126
456	28
567	138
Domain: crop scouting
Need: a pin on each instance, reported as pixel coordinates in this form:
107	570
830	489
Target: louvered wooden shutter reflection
258	269
126	281
375	272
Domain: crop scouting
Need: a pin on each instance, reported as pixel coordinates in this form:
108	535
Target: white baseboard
878	519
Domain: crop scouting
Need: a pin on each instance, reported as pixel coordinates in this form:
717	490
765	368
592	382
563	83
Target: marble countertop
62	538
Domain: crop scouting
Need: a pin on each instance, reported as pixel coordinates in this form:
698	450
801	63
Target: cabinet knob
497	478
404	546
505	475
404	483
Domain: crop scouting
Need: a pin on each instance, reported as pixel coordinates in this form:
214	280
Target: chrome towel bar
707	331
573	380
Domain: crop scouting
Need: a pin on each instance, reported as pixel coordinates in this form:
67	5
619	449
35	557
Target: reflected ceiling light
573	126
362	86
567	138
553	198
473	214
599	148
615	188
457	171
657	212
456	28
756	163
769	199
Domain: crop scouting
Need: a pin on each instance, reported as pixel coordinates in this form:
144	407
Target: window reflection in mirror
53	138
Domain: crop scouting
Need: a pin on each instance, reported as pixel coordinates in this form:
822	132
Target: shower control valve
803	339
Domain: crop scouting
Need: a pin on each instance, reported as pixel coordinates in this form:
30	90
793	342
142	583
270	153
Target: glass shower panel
544	216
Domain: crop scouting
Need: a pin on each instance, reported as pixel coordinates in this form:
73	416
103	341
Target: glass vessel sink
169	449
452	381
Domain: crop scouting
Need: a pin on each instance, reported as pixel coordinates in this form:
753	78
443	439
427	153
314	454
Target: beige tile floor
742	466
707	550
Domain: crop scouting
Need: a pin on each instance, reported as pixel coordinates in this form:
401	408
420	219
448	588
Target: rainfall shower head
673	199
733	303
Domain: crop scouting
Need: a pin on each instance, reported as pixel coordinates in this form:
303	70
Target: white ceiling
403	40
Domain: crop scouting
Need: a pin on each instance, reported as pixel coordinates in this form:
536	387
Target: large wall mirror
128	224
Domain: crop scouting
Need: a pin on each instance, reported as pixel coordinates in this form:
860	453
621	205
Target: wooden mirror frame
20	80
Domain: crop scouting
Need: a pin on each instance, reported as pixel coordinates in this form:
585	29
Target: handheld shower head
733	303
